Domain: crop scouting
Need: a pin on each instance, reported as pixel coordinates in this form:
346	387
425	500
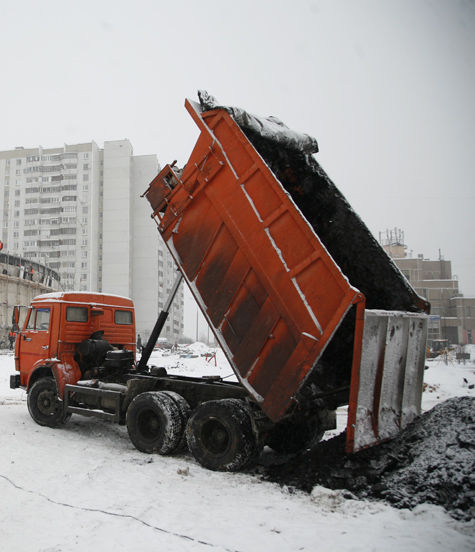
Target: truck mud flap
386	387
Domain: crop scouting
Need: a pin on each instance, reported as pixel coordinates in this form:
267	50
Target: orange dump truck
309	310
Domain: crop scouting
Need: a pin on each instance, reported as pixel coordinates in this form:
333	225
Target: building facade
77	209
20	281
452	315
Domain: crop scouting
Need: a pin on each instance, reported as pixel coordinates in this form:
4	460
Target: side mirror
16	318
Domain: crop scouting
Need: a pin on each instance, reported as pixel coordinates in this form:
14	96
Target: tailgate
386	390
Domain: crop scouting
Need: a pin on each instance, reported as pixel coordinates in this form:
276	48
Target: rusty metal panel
268	287
389	378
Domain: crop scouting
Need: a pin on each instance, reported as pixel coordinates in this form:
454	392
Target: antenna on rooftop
393	242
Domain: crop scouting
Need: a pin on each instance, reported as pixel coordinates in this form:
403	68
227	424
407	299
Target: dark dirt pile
432	461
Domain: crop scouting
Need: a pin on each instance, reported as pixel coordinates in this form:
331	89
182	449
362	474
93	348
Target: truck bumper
15	381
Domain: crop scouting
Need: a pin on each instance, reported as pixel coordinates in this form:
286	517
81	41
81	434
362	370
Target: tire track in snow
115	514
6	401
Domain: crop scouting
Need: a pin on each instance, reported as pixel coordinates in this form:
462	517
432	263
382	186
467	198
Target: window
122	317
39	319
76	314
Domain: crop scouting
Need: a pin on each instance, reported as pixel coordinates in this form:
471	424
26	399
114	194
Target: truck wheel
292	437
43	403
155	423
185	411
220	435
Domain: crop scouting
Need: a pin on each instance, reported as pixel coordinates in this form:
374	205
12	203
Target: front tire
44	405
220	435
155	422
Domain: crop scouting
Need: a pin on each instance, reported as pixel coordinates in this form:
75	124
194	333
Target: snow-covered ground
85	487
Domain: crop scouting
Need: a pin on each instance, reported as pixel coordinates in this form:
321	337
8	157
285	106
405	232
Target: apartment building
77	209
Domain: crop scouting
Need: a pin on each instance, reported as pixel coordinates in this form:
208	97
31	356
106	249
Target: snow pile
432	460
194	360
200	348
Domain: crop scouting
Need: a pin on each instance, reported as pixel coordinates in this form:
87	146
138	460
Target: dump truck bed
279	303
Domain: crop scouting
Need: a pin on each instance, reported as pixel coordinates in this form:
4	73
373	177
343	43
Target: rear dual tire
220	435
156	421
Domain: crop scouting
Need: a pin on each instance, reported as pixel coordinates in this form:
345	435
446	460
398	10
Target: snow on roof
74	296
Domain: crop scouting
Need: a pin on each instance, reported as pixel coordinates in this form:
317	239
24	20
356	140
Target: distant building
77	209
20	281
452	315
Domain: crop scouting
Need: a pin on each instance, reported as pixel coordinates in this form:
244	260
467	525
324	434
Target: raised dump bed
282	269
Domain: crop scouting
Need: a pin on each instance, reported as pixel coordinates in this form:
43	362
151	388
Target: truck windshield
39	319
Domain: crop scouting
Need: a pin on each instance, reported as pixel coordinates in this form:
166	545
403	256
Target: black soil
431	461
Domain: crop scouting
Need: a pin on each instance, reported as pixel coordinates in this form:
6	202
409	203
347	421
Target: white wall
144	246
117	218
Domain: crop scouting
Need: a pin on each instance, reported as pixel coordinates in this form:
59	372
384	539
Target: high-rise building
78	210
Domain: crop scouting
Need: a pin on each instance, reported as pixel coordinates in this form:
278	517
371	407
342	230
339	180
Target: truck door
34	340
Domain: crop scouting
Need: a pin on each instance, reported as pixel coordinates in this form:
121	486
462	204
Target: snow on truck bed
85	486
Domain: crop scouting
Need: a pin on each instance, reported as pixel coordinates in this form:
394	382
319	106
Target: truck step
93	413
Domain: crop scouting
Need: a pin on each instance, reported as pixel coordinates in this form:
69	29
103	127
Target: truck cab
57	329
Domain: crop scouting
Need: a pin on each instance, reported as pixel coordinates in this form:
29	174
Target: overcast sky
387	88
